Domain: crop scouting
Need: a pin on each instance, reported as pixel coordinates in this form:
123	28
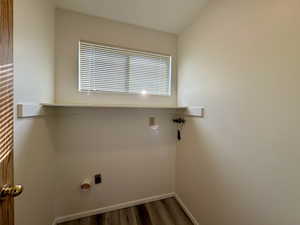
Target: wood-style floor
163	212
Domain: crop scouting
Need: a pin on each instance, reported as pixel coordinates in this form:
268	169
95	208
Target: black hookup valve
180	122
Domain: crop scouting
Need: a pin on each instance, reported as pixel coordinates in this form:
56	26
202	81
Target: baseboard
186	210
112	208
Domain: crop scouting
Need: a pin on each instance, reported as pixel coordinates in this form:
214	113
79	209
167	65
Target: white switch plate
25	110
195	111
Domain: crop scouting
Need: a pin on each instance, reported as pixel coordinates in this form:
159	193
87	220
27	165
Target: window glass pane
111	72
148	74
103	68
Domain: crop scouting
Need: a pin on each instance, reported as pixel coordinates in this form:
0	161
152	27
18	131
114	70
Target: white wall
34	82
72	27
135	162
240	164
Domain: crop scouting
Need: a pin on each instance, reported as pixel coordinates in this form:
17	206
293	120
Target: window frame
136	51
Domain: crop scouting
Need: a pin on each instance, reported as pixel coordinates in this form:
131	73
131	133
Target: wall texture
72	27
240	164
34	82
135	161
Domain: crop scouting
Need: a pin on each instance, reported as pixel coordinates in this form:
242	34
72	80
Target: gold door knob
10	191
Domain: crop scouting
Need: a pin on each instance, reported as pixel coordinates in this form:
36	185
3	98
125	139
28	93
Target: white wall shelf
110	106
35	109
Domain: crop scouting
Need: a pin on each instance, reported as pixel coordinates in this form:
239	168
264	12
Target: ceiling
165	15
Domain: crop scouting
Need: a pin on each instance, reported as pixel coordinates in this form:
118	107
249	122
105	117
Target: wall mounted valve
180	122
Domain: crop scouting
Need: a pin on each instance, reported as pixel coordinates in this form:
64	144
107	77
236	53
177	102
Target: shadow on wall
34	168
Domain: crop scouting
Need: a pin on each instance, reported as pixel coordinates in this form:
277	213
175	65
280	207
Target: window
103	68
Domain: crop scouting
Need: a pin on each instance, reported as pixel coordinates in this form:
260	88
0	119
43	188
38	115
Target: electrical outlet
98	179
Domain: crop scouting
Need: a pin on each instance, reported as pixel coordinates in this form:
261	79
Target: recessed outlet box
98	179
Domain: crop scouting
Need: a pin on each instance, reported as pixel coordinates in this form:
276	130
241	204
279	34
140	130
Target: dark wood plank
154	216
176	212
136	216
108	219
116	217
100	219
91	220
143	215
132	216
74	222
164	212
124	216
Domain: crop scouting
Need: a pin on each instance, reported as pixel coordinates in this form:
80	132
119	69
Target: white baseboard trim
112	208
186	210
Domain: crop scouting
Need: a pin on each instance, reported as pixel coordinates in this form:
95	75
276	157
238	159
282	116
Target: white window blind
103	68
